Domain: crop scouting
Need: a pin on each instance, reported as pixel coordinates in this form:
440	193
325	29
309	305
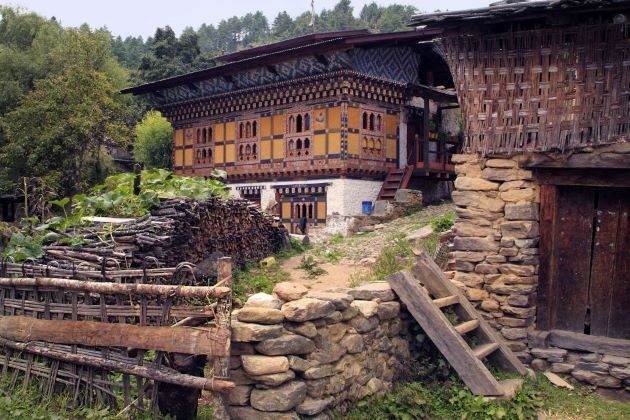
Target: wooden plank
603	264
483	350
470	369
572	251
619	321
548	203
467	326
594	344
580	161
446	301
210	341
433	278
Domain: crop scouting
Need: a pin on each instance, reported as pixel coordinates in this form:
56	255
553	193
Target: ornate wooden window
372	134
298	141
247	141
203	146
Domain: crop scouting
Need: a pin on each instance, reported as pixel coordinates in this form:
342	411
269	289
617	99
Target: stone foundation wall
600	368
297	354
495	257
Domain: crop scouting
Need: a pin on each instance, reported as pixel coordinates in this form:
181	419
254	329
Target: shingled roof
514	10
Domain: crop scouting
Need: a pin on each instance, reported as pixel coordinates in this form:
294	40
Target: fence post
222	320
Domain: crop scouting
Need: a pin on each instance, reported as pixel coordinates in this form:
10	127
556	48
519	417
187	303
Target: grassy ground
444	400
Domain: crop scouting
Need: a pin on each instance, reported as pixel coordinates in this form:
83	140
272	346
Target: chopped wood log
123	289
212	341
162	375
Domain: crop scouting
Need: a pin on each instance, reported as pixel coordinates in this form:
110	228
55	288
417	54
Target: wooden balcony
432	158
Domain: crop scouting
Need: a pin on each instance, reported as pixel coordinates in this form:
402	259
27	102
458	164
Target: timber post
221	371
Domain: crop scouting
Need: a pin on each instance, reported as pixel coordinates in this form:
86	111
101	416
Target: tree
283	25
153	141
60	130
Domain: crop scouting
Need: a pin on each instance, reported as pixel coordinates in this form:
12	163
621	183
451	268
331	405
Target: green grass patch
452	400
443	222
310	265
393	258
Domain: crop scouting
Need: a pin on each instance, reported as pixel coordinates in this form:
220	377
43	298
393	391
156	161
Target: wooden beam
576	341
211	341
583	177
579	161
166	375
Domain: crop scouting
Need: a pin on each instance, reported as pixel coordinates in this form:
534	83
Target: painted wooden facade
320	107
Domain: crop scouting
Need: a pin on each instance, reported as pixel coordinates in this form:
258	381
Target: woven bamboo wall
542	90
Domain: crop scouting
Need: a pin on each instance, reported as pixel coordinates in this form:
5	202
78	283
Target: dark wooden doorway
585	260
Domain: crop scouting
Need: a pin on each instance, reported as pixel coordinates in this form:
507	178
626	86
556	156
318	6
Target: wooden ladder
426	290
396	179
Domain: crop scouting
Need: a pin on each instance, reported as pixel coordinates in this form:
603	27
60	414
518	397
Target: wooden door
585	261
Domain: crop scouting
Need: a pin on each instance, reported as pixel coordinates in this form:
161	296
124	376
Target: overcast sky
142	17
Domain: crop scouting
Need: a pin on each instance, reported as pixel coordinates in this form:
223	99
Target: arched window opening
371	122
240	131
291	145
210	154
240	151
248	130
198	156
248	150
307	143
209	133
291	124
379	145
204	135
297	210
365	121
364	143
378	123
310	211
371	144
307	122
254	149
299	144
298	124
198	136
204	156
304	210
254	129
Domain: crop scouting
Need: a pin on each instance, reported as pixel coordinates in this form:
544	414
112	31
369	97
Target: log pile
179	230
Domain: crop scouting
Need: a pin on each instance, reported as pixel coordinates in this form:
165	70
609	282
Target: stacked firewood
178	230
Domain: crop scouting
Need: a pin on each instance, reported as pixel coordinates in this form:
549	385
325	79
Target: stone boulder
263	300
375	290
288	291
246	332
282	398
264	365
340	300
286	345
260	315
306	309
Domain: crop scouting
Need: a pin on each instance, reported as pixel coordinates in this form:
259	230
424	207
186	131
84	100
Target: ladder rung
446	301
467	326
482	350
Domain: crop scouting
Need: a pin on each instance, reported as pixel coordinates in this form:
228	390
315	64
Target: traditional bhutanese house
543	186
317	124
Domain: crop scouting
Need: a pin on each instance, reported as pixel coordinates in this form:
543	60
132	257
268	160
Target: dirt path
346	260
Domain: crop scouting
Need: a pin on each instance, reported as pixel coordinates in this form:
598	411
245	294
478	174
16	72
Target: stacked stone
296	354
608	370
495	258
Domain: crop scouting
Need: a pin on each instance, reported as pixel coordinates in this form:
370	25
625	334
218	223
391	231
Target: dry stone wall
495	257
297	354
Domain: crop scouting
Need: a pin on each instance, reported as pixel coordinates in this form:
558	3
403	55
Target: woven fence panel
86	384
542	90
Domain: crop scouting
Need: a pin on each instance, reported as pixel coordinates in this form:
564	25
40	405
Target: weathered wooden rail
106	337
